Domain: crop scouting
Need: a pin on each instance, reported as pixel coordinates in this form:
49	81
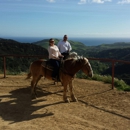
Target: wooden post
4	60
113	68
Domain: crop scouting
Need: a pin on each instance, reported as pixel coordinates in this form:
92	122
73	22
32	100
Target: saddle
46	64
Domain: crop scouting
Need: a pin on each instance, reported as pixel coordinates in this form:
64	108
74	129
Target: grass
119	84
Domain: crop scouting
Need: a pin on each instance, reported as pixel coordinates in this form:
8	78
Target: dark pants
65	55
56	65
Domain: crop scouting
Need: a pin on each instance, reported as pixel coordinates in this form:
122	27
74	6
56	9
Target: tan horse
67	72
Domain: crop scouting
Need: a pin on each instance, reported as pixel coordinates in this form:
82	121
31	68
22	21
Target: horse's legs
33	86
33	82
73	98
65	94
36	85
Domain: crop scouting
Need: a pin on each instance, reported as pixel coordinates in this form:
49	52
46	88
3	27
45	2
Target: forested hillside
16	65
118	51
77	46
8	46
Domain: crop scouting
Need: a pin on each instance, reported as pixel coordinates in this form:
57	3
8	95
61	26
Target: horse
67	73
71	55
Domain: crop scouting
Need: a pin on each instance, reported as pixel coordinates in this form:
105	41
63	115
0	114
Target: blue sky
54	18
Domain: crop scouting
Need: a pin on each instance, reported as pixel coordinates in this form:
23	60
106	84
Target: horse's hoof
67	100
33	97
74	99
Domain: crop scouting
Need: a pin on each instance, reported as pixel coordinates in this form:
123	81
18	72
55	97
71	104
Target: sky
54	18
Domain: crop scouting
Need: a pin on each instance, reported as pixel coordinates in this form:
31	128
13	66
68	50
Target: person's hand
61	56
58	58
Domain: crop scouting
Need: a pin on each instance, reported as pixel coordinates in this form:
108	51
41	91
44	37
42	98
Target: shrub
119	84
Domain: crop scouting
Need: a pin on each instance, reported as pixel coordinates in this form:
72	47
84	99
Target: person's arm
58	45
60	55
69	47
50	53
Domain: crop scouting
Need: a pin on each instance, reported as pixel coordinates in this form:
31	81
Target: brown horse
66	74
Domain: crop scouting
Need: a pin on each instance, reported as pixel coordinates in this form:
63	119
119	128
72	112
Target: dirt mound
99	107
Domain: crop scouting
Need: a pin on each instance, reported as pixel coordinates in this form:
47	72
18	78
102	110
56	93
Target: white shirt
53	52
64	46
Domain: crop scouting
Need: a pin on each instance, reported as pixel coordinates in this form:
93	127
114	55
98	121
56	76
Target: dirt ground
99	107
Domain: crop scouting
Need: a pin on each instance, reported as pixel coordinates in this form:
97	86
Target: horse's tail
29	74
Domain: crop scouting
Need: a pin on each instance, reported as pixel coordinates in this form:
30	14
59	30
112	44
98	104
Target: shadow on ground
18	106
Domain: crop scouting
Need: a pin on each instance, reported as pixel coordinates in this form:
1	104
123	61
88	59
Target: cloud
51	1
13	0
124	2
82	2
101	1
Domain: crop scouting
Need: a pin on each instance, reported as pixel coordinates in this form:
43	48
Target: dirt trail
99	107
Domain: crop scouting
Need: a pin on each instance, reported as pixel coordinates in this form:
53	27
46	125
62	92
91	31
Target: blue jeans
56	64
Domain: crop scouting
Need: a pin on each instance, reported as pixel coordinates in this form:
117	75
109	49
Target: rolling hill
118	51
9	46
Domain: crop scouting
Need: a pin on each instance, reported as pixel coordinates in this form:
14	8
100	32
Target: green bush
119	84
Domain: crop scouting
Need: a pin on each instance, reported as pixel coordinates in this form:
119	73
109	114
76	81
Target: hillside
116	45
118	51
8	47
17	65
44	43
77	46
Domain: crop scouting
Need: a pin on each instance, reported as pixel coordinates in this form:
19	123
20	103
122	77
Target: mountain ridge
112	51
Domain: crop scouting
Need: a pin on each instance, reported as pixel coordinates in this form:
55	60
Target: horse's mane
78	58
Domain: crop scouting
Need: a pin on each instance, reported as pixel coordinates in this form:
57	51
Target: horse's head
87	69
72	65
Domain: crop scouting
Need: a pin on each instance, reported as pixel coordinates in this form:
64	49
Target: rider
54	56
64	47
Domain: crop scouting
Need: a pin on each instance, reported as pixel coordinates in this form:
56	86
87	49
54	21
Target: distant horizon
57	37
89	41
